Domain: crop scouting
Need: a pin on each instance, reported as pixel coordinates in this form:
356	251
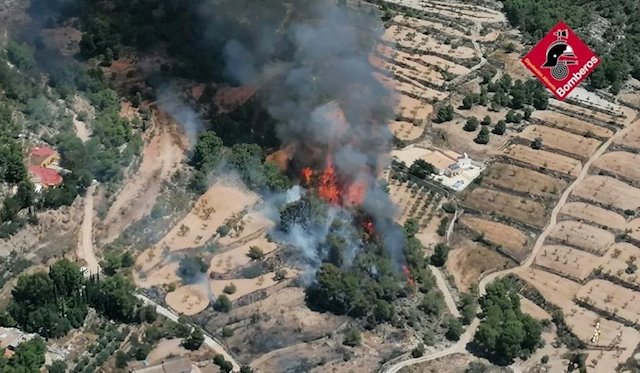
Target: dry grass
511	239
544	159
594	214
630	139
524	180
611	298
624	164
469	260
562	140
518	208
609	192
571	124
583	236
572	262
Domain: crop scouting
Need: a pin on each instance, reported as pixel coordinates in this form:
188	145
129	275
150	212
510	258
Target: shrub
230	289
352	338
418	351
449	207
536	143
223	230
255	253
222	304
471	124
454	329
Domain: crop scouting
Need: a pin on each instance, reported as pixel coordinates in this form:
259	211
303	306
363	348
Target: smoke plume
311	60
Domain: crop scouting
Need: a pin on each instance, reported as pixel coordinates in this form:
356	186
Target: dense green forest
53	303
618	42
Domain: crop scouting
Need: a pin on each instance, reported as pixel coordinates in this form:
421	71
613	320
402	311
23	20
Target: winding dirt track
460	346
85	248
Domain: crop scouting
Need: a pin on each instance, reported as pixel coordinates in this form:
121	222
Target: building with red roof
46	177
43	156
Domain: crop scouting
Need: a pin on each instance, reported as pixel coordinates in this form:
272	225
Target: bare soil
562	140
609	192
624	164
509	238
630	139
521	209
189	299
571	124
615	262
611	298
567	260
594	214
160	159
583	236
544	159
469	260
523	180
555	289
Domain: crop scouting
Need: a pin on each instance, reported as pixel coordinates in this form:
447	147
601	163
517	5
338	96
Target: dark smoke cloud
311	58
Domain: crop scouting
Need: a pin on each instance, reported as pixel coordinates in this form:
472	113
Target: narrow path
209	340
446	293
460	346
85	248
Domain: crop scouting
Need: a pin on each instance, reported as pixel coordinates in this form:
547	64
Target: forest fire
410	281
331	189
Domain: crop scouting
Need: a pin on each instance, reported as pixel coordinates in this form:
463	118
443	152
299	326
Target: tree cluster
505	331
53	303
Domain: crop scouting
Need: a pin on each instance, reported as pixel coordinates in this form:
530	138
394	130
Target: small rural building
43	156
10	338
180	365
43	162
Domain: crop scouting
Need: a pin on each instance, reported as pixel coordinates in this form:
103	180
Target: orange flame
368	227
410	281
328	188
307	173
355	193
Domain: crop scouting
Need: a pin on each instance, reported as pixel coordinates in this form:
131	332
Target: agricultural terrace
623	164
189	300
560	140
583	112
246	286
582	322
571	124
469	260
523	180
582	236
521	209
617	262
510	239
630	140
419	42
544	159
608	191
555	289
594	214
235	258
611	298
567	261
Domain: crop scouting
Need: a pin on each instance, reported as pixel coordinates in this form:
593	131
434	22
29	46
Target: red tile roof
46	176
42	151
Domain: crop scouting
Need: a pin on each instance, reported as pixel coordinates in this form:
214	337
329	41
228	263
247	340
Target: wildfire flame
331	189
328	188
410	281
307	173
368	227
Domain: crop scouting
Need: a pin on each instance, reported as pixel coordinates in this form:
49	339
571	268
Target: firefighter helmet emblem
559	56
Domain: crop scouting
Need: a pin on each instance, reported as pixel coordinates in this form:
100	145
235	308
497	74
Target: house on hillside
43	167
452	170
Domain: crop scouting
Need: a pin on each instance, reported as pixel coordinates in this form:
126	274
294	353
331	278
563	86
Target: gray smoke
190	121
311	60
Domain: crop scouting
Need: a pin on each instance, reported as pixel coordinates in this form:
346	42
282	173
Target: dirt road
208	339
160	159
460	346
85	249
442	285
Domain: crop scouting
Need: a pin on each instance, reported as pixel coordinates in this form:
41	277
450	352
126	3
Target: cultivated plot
555	289
565	141
608	192
582	236
594	214
630	139
624	164
543	159
571	124
617	262
518	208
567	261
509	238
611	298
469	260
523	180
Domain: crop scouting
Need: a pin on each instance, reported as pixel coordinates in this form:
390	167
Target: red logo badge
561	61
